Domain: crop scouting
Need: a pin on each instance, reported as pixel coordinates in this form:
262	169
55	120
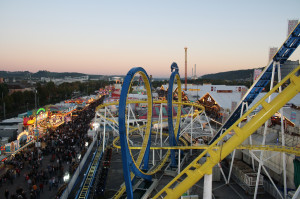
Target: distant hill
43	73
7	74
245	75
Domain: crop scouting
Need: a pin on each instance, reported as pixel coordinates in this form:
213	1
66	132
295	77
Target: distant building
45	79
11	127
291	26
219	100
118	80
288	67
66	79
17	87
272	52
195	92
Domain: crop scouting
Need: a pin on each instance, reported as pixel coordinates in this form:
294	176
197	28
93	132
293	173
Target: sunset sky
110	37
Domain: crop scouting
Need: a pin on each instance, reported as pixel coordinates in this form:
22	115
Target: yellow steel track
140	157
275	148
179	103
154	102
195	171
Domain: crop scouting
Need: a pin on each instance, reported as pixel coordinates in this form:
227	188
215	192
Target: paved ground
48	191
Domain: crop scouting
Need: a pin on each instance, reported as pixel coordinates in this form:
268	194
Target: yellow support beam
275	148
154	102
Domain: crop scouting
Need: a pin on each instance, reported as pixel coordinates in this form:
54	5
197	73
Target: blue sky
110	37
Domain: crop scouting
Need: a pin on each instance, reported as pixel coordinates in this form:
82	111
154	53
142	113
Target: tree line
48	93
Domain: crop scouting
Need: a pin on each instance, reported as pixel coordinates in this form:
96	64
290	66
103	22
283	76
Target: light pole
35	111
3	107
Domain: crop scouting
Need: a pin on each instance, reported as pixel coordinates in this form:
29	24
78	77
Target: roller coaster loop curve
128	161
129	164
174	132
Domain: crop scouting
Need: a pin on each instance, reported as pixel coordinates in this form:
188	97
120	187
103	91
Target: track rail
275	148
84	192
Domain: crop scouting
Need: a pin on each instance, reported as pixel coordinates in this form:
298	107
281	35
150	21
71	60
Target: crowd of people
44	167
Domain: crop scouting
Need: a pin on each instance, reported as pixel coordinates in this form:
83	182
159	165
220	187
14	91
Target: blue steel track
285	51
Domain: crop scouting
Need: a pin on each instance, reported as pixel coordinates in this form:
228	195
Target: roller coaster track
154	102
174	131
133	129
153	170
131	166
275	148
122	190
195	171
284	52
281	149
84	192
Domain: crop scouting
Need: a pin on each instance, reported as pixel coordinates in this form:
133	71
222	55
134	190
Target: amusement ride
150	144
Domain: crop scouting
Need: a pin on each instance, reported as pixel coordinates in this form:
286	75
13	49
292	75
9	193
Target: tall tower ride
185	50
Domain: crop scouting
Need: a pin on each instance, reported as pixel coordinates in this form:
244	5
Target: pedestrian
26	177
32	195
29	183
11	177
54	182
41	187
34	187
18	172
38	192
50	184
6	193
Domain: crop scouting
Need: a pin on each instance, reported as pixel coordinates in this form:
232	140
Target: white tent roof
225	100
13	120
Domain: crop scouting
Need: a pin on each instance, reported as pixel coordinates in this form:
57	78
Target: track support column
282	135
207	189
